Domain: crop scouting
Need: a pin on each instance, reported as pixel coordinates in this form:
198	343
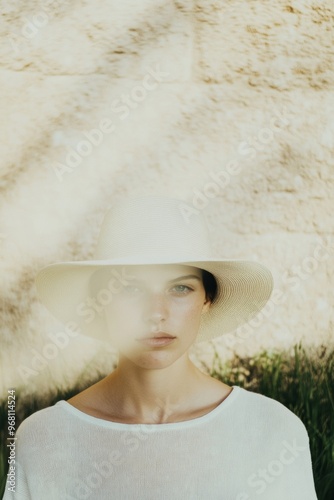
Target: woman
157	427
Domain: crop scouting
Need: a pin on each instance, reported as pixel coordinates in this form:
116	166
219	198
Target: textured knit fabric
248	447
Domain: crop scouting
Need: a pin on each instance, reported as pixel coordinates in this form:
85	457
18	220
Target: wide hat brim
244	288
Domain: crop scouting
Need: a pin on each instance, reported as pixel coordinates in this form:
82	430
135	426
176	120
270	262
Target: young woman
157	427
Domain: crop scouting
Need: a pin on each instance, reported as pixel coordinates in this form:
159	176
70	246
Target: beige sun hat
151	230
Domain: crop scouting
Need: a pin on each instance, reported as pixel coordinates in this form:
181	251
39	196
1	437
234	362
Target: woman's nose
155	308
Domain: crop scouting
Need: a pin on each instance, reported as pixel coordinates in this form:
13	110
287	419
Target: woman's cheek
191	308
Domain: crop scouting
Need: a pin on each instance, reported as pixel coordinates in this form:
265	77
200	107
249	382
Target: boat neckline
227	401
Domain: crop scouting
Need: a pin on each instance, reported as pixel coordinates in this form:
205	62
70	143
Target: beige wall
178	94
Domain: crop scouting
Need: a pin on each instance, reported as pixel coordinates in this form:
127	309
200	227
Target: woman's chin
151	358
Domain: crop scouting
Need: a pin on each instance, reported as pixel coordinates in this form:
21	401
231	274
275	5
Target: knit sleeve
303	488
287	471
17	489
281	463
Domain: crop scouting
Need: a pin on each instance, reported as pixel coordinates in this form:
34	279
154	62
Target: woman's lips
157	335
157	341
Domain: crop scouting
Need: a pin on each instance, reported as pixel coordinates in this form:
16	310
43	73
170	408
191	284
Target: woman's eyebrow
189	276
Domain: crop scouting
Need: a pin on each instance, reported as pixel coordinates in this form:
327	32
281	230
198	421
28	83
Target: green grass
304	383
301	381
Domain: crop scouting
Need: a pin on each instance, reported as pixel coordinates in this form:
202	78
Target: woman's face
157	299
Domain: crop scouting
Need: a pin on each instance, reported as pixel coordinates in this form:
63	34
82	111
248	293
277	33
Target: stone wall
227	104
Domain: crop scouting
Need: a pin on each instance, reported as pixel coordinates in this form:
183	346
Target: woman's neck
152	393
132	394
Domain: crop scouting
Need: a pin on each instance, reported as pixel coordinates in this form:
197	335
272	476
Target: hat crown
161	231
152	228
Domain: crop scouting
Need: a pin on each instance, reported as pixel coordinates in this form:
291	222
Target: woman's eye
182	288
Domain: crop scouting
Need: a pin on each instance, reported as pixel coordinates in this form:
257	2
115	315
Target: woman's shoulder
269	412
38	425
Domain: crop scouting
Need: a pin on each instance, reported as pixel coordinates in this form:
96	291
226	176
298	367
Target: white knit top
248	447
